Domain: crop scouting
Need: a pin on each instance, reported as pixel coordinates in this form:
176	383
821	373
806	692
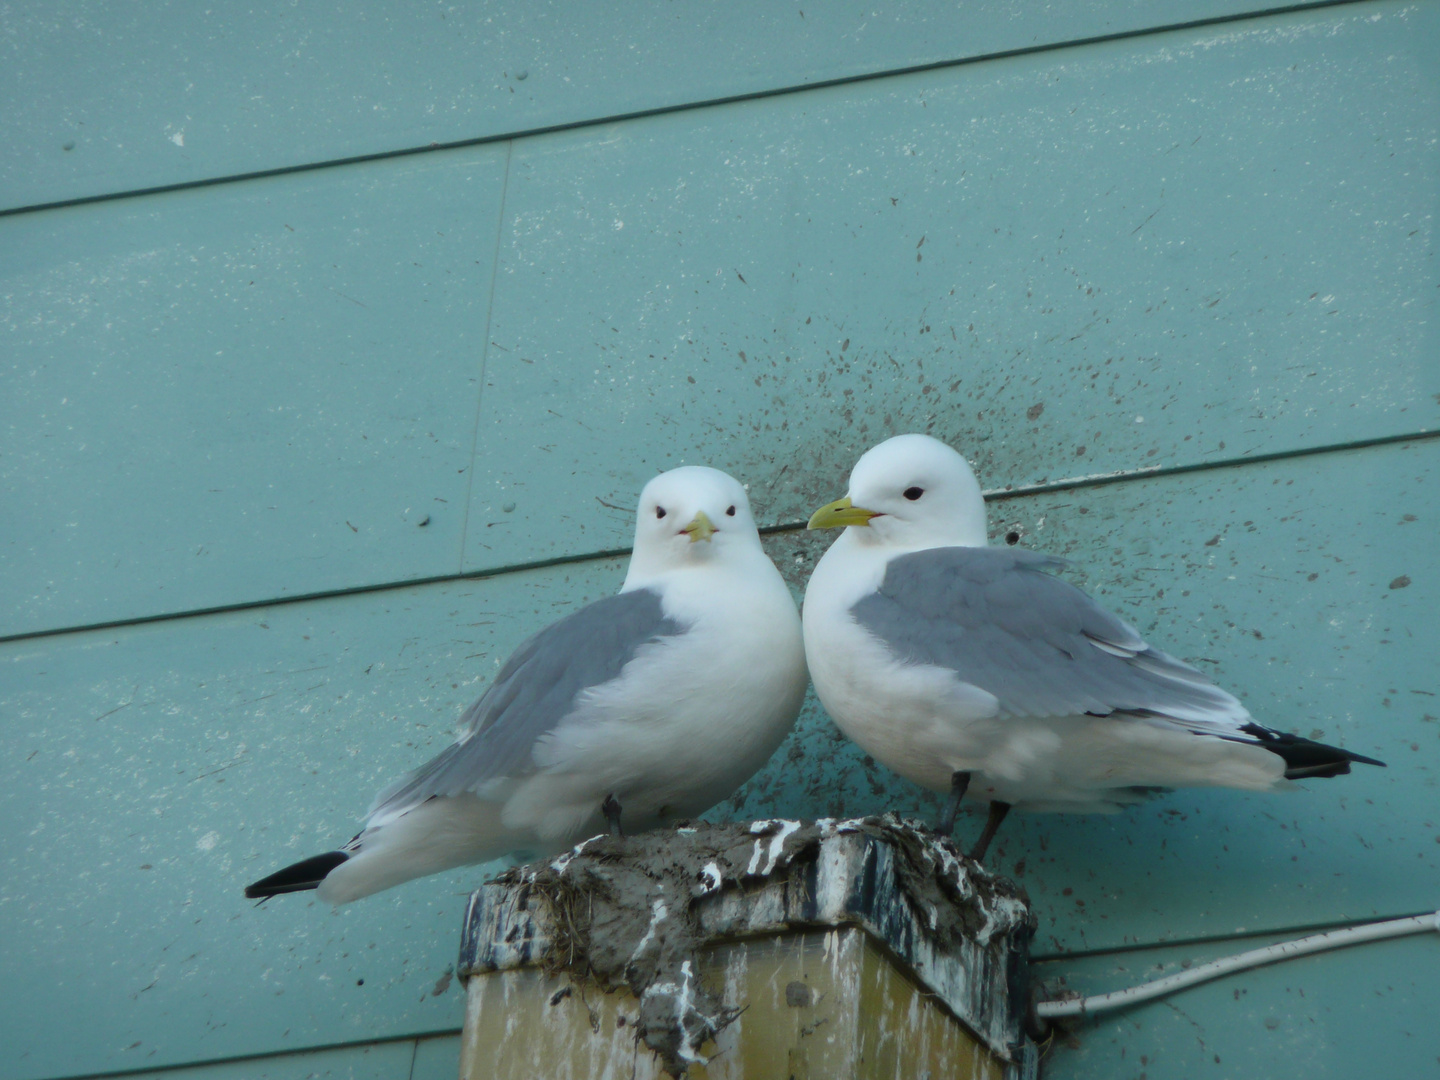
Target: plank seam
484	361
1105	479
1220	939
261	1055
1094	480
665	110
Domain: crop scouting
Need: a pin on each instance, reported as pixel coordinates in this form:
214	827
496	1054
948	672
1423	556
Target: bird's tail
437	835
1305	758
297	877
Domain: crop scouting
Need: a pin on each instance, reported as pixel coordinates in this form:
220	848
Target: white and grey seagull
974	670
657	703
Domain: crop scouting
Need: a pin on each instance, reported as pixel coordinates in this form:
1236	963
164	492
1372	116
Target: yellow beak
840	513
699	528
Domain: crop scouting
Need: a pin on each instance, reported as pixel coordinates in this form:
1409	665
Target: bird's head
911	492
691	516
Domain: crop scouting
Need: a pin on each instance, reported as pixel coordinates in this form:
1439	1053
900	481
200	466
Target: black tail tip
298	877
1305	759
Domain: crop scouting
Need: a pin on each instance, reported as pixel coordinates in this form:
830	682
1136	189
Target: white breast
919	720
690	720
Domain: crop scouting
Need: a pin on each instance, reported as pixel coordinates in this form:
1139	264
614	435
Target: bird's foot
611	809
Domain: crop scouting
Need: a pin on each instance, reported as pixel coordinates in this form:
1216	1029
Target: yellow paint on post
828	1005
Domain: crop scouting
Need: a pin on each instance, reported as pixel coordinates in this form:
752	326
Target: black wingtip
1363	760
1304	758
298	877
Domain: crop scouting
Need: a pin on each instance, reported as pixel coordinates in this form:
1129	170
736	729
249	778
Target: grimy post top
856	948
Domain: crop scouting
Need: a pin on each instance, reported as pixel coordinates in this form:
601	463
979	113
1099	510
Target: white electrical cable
1333	939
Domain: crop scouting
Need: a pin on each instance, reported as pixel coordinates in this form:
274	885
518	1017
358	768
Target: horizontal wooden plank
142	481
382	1061
154	771
244	392
1306	587
105	97
1323	1017
1164	250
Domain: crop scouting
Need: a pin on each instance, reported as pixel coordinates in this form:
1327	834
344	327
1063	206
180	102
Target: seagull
974	671
658	701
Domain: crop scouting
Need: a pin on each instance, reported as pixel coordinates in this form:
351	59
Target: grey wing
1042	647
534	691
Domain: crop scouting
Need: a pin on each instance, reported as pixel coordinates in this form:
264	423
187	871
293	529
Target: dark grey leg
958	783
611	809
998	810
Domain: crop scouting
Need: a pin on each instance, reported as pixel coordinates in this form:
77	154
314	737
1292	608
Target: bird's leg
959	781
611	809
998	810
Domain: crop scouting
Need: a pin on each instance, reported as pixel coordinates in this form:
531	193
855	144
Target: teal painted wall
295	448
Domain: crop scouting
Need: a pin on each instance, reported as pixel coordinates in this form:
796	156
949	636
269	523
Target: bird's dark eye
914	493
659	511
730	512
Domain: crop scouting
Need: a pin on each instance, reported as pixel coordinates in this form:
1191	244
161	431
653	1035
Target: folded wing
1042	648
999	621
537	688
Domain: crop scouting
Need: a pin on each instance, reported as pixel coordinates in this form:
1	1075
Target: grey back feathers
1038	644
535	690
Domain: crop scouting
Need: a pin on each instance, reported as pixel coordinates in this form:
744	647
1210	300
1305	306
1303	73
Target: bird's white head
691	516
911	492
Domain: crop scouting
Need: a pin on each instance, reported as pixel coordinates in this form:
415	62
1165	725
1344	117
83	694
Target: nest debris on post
636	912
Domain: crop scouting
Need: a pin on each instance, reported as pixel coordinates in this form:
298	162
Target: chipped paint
959	931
